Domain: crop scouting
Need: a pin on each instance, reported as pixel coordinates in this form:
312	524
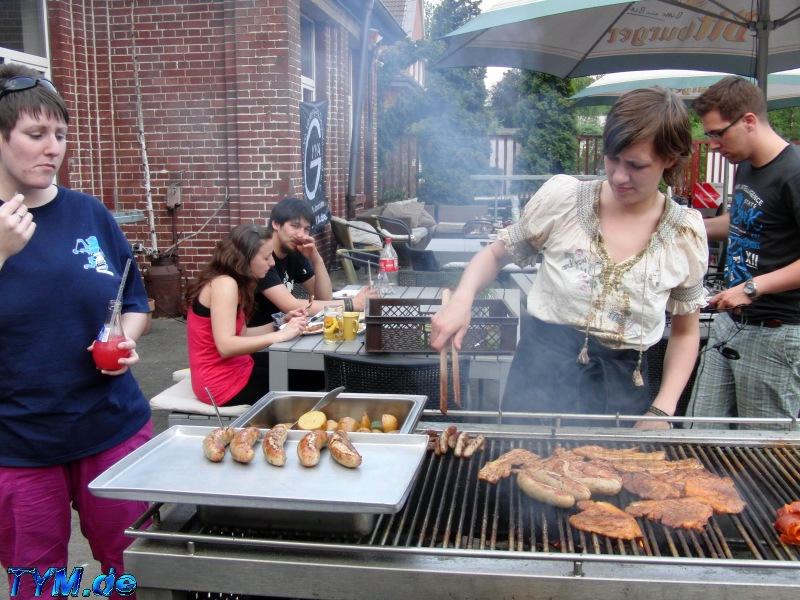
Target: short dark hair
732	97
651	114
289	209
33	101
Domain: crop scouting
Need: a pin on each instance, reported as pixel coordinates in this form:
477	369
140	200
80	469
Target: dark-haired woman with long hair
220	300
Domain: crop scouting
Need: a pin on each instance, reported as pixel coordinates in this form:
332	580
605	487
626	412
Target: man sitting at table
297	262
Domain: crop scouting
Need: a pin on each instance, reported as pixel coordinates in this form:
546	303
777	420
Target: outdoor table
447	250
306	352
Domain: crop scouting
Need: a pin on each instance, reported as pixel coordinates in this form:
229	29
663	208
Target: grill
461	537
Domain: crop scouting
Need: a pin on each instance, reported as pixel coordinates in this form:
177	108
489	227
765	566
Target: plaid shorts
763	383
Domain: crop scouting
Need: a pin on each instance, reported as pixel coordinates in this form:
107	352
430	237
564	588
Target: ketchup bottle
106	352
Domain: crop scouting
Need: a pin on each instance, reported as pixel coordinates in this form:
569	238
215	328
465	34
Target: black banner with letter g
313	125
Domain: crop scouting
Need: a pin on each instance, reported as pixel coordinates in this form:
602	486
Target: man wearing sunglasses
762	269
63	422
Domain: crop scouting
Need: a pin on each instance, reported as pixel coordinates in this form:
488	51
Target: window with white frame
23	34
308	59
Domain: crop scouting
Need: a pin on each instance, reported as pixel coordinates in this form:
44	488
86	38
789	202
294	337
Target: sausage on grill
543	492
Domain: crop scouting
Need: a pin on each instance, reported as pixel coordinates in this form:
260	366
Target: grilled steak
600	453
685	513
719	492
655	467
651	487
495	470
606	519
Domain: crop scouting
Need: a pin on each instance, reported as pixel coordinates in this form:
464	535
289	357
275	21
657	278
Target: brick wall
218	96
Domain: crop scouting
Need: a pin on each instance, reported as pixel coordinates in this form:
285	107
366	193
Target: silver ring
20	215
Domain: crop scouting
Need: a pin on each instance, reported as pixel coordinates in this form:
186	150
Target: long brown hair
232	257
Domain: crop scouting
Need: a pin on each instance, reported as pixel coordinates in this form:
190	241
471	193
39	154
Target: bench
186	409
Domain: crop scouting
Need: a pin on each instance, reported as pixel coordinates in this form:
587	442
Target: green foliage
538	106
392	195
786	122
448	118
504	98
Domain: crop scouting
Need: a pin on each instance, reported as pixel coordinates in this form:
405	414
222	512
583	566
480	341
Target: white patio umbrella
783	88
571	38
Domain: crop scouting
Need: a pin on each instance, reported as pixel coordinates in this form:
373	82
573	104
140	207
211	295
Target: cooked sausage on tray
273	448
343	451
243	442
309	448
215	442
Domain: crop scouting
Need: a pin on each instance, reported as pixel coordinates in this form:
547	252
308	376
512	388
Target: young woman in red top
220	301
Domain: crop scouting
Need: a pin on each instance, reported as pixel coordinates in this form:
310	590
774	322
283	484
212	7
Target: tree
786	122
449	118
537	105
505	98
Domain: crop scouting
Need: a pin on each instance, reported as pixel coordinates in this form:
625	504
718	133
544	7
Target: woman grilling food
616	255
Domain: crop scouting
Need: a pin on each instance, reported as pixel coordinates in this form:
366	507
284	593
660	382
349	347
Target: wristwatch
751	289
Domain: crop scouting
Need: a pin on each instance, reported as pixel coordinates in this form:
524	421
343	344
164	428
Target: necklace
611	276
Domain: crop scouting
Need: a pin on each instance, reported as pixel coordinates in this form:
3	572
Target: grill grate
449	507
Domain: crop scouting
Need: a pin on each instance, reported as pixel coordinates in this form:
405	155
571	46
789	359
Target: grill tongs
443	369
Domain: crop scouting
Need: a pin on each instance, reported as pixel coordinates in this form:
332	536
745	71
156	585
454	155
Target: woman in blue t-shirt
63	421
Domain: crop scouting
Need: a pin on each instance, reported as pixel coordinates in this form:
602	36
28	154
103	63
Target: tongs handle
443	369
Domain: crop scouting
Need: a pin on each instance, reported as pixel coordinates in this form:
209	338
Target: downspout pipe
358	101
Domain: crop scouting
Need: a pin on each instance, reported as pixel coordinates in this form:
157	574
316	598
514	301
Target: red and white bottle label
388	264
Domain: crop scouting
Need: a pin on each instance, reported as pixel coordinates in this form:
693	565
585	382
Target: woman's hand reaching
450	323
294	327
293	314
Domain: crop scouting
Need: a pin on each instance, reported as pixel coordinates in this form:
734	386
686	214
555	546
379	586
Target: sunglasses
717	134
17	84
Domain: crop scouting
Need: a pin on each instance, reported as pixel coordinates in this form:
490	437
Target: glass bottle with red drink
106	351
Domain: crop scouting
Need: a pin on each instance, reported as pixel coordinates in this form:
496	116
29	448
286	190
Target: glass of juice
332	332
106	351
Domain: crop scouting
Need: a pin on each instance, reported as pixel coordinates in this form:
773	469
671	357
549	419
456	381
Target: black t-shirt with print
764	233
290	271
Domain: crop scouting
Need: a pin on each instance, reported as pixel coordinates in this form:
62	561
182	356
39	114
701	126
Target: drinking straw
118	305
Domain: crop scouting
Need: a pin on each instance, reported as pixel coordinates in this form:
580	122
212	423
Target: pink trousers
35	516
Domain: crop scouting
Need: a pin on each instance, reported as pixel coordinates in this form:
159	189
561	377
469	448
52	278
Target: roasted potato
365	422
331	425
389	423
312	421
348	424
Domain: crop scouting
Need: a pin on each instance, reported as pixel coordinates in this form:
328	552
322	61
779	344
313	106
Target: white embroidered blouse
579	285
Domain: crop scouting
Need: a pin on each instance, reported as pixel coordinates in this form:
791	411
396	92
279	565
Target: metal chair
347	251
397	375
477	228
341	233
351	258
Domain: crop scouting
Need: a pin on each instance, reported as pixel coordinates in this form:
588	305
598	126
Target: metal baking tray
172	468
287	407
